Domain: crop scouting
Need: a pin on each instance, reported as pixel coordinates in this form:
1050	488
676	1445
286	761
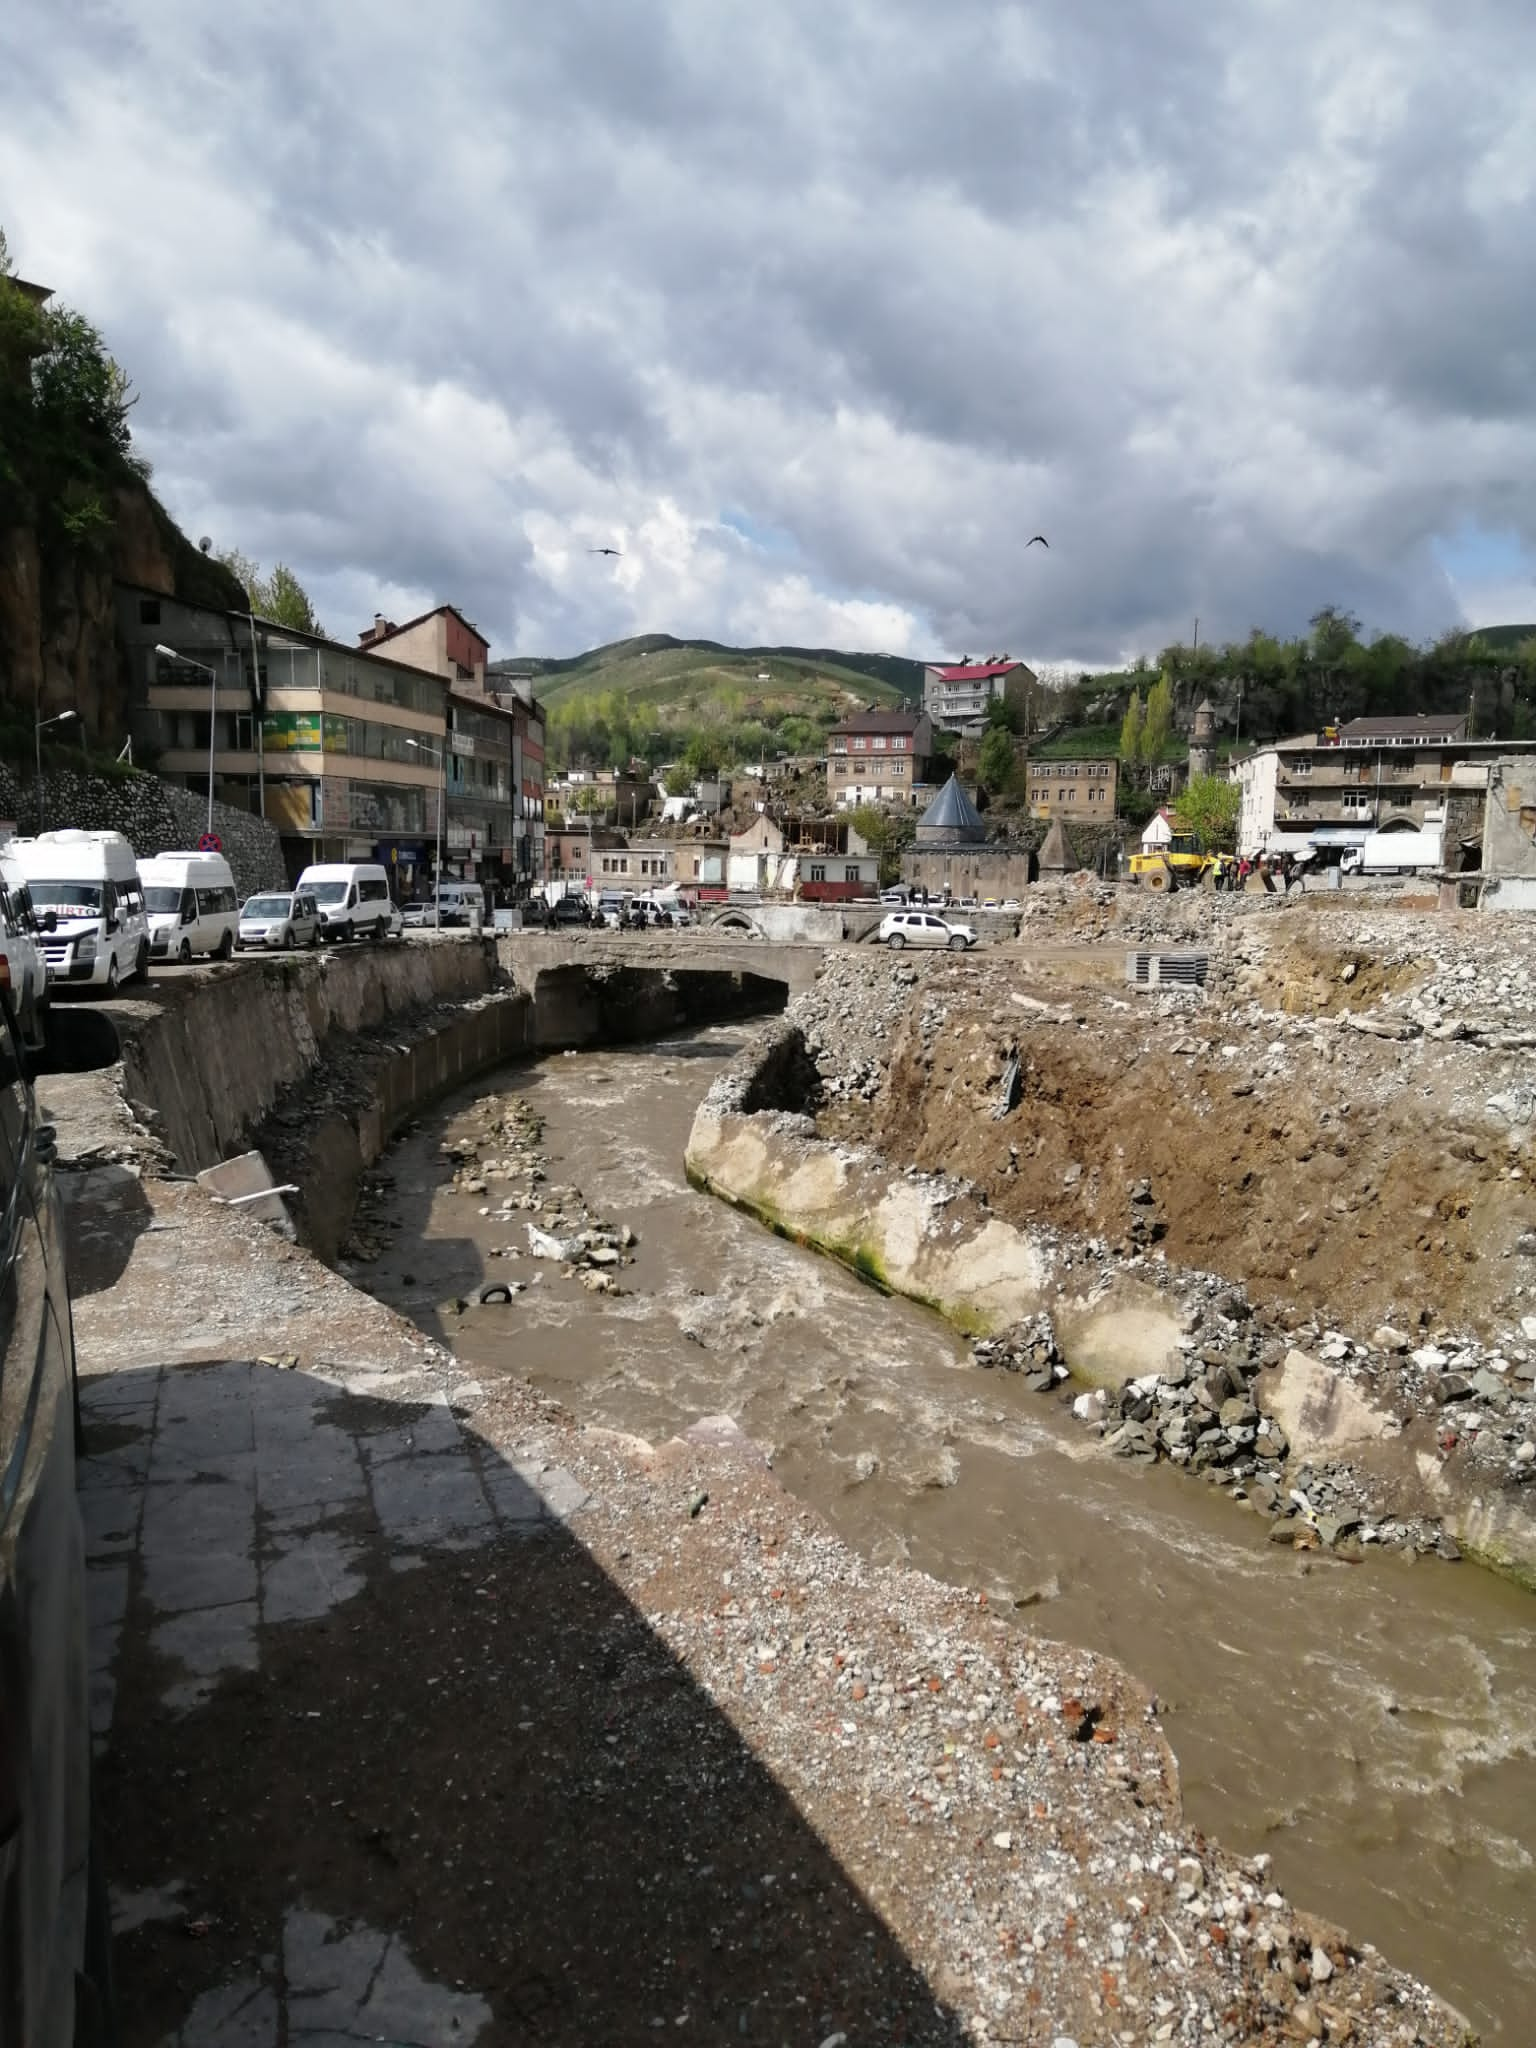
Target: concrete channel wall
210	1066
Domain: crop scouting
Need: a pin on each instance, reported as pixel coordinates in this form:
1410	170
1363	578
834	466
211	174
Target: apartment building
958	695
1336	786
339	748
879	757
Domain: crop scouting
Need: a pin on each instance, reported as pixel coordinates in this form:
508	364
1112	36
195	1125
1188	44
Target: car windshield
266	906
82	896
162	902
328	892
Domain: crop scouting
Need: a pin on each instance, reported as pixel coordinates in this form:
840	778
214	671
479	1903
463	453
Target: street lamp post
213	712
442	802
59	718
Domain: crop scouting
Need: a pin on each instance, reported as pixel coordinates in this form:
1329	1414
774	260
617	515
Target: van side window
372	892
188	906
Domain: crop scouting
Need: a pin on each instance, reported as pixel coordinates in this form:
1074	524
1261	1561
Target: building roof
1447	725
1056	855
953	812
384	629
972	671
881	721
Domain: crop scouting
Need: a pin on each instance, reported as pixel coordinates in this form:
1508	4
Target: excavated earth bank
1340	1126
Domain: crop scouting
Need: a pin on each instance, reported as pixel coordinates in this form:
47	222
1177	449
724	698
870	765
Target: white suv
922	928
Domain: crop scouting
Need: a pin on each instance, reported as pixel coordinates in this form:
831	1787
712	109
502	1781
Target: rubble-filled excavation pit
1198	1186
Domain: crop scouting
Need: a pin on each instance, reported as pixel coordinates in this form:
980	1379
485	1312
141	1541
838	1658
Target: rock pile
1029	1348
849	1019
501	1144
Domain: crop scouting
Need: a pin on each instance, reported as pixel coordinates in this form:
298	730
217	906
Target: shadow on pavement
428	1712
105	1212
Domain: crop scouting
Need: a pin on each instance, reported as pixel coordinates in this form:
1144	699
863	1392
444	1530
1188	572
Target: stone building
951	856
1074	789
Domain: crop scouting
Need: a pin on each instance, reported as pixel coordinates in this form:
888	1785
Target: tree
1159	717
995	763
678	780
1209	805
1131	732
280	597
704	754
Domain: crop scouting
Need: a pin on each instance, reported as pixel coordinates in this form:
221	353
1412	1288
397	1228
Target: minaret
1202	742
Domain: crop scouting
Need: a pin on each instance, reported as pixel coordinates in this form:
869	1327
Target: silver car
922	928
279	922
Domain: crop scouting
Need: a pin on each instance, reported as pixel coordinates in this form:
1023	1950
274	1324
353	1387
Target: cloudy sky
817	309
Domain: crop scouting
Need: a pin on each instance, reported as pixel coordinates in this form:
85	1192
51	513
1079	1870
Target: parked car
922	928
282	921
895	897
55	1940
453	904
570	910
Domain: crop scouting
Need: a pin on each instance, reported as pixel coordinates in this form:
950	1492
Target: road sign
210	843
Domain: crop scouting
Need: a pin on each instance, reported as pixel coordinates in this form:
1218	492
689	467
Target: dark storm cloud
1233	302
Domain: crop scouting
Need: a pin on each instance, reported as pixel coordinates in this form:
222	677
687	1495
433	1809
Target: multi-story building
504	720
957	696
879	757
480	836
1073	789
340	749
642	864
1337	786
575	847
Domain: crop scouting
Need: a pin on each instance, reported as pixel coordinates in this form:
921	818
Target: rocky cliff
58	641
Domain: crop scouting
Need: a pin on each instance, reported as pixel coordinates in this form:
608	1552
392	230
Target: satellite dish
206	543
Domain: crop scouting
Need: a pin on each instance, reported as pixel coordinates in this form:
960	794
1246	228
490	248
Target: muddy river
1373	1727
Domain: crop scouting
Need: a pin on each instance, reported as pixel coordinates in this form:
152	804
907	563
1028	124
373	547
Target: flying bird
602	551
1037	537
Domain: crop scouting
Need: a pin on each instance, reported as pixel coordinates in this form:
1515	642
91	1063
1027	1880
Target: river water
1373	1727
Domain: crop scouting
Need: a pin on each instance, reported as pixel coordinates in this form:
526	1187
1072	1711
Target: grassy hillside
687	674
653	695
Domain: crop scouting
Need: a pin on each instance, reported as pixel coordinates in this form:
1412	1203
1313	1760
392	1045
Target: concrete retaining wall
210	1066
751	1144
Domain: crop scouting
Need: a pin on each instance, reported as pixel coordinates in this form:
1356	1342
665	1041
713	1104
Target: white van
455	904
191	903
353	897
88	882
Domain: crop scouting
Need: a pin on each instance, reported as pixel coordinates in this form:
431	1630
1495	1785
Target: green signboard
299	732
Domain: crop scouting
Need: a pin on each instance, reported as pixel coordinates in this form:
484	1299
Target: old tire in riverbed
493	1291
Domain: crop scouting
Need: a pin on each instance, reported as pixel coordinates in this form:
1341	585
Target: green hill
1500	636
650	696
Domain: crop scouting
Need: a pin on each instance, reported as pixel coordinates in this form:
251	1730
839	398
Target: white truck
89	883
1398	851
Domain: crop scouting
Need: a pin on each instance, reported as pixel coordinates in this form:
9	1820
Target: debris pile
499	1145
